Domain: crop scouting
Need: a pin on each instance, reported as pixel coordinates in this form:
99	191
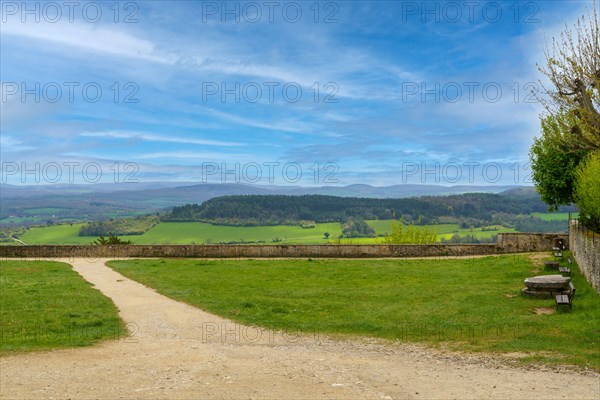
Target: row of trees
120	227
566	157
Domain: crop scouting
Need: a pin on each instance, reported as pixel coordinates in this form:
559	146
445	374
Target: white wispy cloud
226	59
89	37
170	55
9	144
150	137
192	155
288	125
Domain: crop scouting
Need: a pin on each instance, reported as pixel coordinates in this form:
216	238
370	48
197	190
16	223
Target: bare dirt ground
176	351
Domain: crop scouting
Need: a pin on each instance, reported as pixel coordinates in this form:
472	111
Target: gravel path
180	352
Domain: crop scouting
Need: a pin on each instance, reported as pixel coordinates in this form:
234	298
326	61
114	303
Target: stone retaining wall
585	247
507	243
526	242
246	251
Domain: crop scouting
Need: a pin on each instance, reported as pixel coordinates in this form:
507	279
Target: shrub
410	234
587	191
111	240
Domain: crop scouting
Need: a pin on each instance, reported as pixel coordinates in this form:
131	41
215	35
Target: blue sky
304	93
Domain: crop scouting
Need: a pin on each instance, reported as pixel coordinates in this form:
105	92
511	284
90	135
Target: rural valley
274	218
301	200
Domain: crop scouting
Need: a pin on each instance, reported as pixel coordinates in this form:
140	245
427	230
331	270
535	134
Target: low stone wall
507	243
247	251
527	242
585	247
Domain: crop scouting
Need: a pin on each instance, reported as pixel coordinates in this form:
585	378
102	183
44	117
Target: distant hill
393	192
27	205
524	192
283	209
168	193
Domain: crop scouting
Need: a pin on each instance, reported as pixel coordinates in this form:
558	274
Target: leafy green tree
357	228
554	162
571	126
587	191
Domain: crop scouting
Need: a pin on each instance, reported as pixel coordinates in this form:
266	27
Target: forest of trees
471	209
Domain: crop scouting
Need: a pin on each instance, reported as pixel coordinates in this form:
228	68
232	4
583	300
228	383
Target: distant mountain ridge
204	191
30	205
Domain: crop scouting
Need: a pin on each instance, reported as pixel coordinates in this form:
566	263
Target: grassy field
190	232
47	305
45	210
20	220
384	225
555	216
463	304
198	232
56	234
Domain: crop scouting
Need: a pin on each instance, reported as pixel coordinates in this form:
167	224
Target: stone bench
566	270
551	264
566	298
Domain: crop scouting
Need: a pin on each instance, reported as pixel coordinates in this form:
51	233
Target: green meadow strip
47	305
462	304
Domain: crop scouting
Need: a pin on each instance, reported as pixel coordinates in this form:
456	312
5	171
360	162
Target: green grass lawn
46	305
466	304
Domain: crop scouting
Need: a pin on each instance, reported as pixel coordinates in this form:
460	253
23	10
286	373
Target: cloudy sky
310	93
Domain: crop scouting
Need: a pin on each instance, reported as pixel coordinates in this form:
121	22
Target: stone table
545	286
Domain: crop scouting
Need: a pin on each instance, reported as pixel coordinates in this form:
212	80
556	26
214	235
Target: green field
382	226
46	305
198	232
462	304
555	216
189	233
479	233
44	210
20	220
56	234
444	231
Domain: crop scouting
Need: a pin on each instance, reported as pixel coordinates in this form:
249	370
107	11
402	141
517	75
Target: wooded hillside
279	209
